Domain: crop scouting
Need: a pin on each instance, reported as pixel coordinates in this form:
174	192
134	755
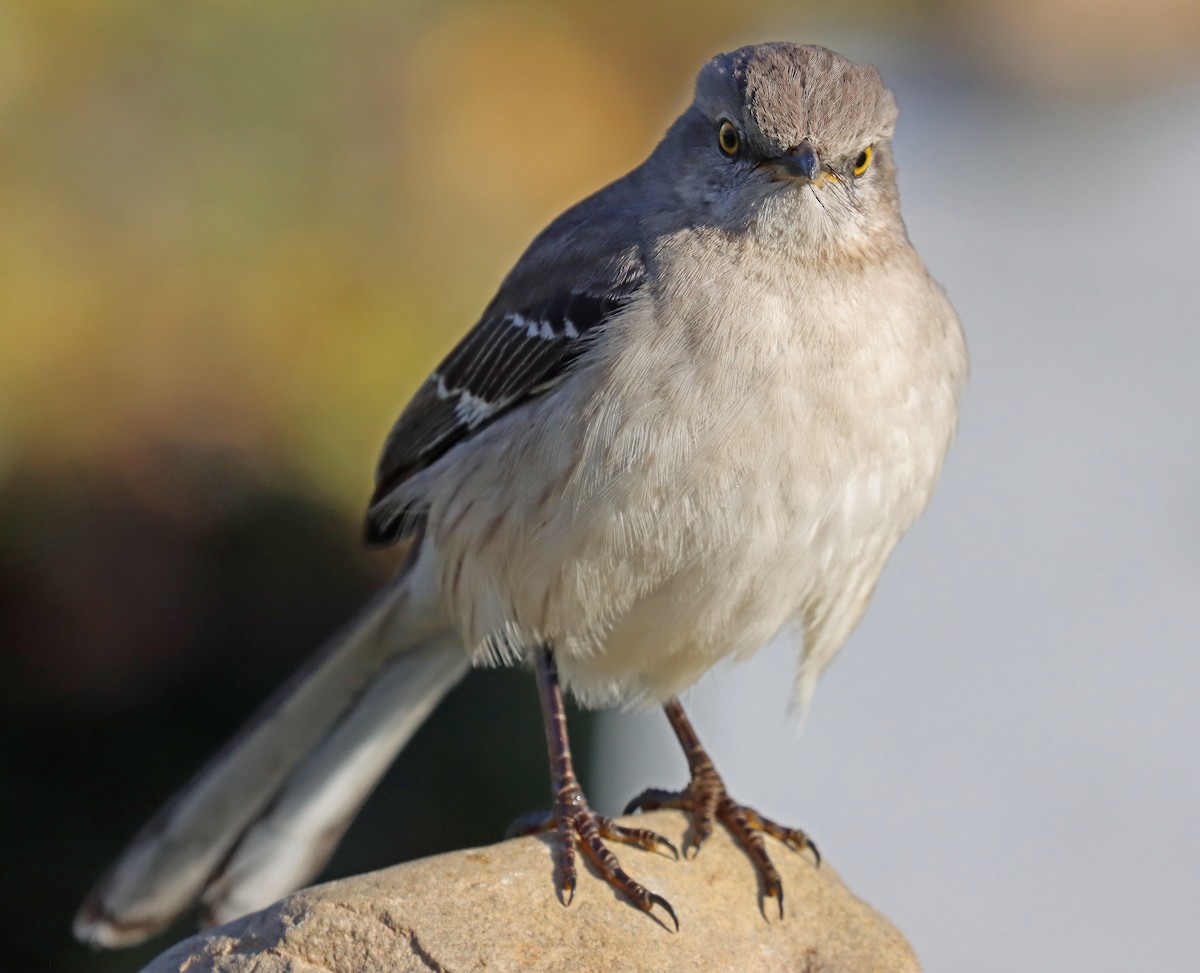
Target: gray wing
525	343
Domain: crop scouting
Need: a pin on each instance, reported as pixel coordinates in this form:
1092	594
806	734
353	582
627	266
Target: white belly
697	489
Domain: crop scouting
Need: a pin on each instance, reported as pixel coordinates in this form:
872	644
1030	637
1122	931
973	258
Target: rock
494	909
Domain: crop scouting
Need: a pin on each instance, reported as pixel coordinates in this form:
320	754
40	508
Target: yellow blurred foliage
255	227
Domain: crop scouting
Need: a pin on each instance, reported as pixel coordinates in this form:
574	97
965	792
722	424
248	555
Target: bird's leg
572	818
705	798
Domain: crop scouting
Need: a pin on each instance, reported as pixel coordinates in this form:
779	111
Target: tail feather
290	843
197	837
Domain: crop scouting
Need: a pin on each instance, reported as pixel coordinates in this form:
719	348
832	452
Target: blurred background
236	236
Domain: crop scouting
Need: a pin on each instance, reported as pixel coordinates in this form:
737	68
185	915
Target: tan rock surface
494	909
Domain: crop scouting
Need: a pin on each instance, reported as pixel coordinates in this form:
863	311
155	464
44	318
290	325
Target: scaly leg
571	816
705	797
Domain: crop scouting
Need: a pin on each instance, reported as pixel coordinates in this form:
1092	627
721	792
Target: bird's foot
706	800
575	822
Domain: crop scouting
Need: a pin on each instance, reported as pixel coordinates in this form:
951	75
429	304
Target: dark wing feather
518	350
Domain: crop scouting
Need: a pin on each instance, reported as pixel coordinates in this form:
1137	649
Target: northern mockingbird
702	409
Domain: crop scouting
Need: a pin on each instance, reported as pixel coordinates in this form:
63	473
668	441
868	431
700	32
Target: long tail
263	816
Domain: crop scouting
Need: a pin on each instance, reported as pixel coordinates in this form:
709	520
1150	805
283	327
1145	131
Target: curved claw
669	845
799	843
656	899
772	889
794	838
642	837
578	826
706	799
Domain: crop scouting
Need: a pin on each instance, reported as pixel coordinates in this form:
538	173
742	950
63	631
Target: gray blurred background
237	237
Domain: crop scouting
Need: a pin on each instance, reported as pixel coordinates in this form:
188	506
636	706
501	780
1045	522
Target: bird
700	411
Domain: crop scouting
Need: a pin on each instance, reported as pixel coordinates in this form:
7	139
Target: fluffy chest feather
741	452
796	434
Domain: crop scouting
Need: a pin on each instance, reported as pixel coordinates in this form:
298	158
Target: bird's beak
799	163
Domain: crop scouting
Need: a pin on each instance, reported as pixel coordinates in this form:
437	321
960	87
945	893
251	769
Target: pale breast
715	473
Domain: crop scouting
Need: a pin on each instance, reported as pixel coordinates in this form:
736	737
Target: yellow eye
863	162
729	139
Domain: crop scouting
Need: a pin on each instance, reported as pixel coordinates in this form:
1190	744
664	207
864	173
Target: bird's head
790	142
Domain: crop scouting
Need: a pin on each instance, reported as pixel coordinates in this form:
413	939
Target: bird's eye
863	162
728	138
